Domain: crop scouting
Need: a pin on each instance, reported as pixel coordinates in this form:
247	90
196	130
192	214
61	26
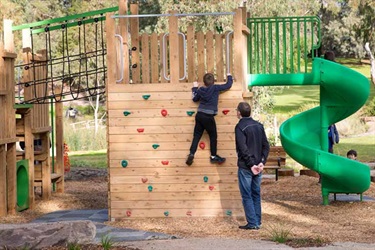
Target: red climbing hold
202	145
128	213
225	111
164	112
140	130
144	180
211	187
165	162
188	213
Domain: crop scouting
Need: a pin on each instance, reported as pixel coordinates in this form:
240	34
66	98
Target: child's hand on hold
195	84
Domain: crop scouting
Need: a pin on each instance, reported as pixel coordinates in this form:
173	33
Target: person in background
352	154
252	151
333	137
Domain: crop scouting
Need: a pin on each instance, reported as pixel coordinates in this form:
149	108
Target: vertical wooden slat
46	167
11	178
111	50
59	166
191	54
155	61
134	33
29	153
200	56
219	58
174	48
3	182
124	31
145	59
210	59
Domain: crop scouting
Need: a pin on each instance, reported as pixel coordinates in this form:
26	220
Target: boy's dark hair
329	55
352	152
208	79
244	109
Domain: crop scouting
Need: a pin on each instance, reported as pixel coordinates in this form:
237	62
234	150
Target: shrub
369	108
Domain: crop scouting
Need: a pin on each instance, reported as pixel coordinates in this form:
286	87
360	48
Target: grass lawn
363	145
92	159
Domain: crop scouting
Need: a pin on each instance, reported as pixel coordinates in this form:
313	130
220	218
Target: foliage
81	137
106	242
278	232
369	109
73	246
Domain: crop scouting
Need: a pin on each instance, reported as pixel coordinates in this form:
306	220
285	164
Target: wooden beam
174	48
59	163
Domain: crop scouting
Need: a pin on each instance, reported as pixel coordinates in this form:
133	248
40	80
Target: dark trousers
204	122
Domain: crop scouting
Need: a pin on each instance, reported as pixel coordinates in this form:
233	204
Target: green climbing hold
190	113
124	163
155	146
146	97
205	179
229	212
126	113
166	213
150	188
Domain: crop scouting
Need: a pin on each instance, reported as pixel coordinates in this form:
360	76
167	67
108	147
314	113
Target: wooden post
11	178
134	30
29	154
59	135
3	183
124	31
46	167
239	42
8	35
174	48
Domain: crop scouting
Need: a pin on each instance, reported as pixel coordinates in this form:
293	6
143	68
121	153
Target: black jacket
251	143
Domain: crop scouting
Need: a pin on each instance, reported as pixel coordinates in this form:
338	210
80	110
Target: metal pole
178	14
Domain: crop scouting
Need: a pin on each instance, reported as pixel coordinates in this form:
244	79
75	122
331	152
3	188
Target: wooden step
286	172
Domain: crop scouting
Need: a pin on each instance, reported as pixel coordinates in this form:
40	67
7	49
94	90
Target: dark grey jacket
251	143
209	96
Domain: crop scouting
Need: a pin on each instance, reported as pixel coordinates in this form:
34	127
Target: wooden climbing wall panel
153	136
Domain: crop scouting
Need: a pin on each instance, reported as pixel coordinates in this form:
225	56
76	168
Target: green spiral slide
304	137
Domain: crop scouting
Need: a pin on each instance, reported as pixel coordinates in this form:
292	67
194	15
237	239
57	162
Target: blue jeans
250	191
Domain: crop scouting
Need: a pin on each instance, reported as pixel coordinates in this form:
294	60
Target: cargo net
70	64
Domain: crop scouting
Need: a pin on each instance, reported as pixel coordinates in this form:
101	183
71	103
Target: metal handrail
121	58
165	57
228	52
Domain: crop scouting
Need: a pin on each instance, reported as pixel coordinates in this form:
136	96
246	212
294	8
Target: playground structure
150	114
24	169
150	121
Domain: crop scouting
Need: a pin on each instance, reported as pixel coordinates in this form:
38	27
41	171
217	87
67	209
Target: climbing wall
151	119
150	133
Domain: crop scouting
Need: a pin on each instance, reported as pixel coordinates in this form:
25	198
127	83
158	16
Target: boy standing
208	95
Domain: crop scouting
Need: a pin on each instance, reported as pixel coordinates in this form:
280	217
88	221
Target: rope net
70	63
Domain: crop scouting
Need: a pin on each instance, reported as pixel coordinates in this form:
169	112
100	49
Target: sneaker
217	159
247	227
189	159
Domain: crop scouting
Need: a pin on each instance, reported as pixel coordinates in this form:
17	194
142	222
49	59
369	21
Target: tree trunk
372	61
